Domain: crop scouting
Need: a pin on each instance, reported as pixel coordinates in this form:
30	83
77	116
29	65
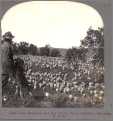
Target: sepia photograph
52	56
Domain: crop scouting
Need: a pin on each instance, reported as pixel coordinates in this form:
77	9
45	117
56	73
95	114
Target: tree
33	49
75	56
99	57
45	51
94	39
23	48
55	53
94	42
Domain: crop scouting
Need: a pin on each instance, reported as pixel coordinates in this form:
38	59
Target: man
7	62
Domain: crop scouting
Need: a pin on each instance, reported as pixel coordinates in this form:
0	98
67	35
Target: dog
23	87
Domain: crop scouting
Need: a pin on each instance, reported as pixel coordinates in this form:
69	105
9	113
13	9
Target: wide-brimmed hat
8	35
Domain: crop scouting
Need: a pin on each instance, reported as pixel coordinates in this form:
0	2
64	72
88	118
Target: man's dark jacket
7	58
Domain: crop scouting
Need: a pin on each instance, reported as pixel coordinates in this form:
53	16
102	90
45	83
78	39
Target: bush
55	53
45	51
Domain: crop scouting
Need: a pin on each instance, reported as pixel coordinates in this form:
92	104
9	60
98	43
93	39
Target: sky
61	24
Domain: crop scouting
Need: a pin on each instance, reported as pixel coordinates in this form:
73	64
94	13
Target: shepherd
7	62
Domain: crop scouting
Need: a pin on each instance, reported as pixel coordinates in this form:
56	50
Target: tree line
24	48
91	49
